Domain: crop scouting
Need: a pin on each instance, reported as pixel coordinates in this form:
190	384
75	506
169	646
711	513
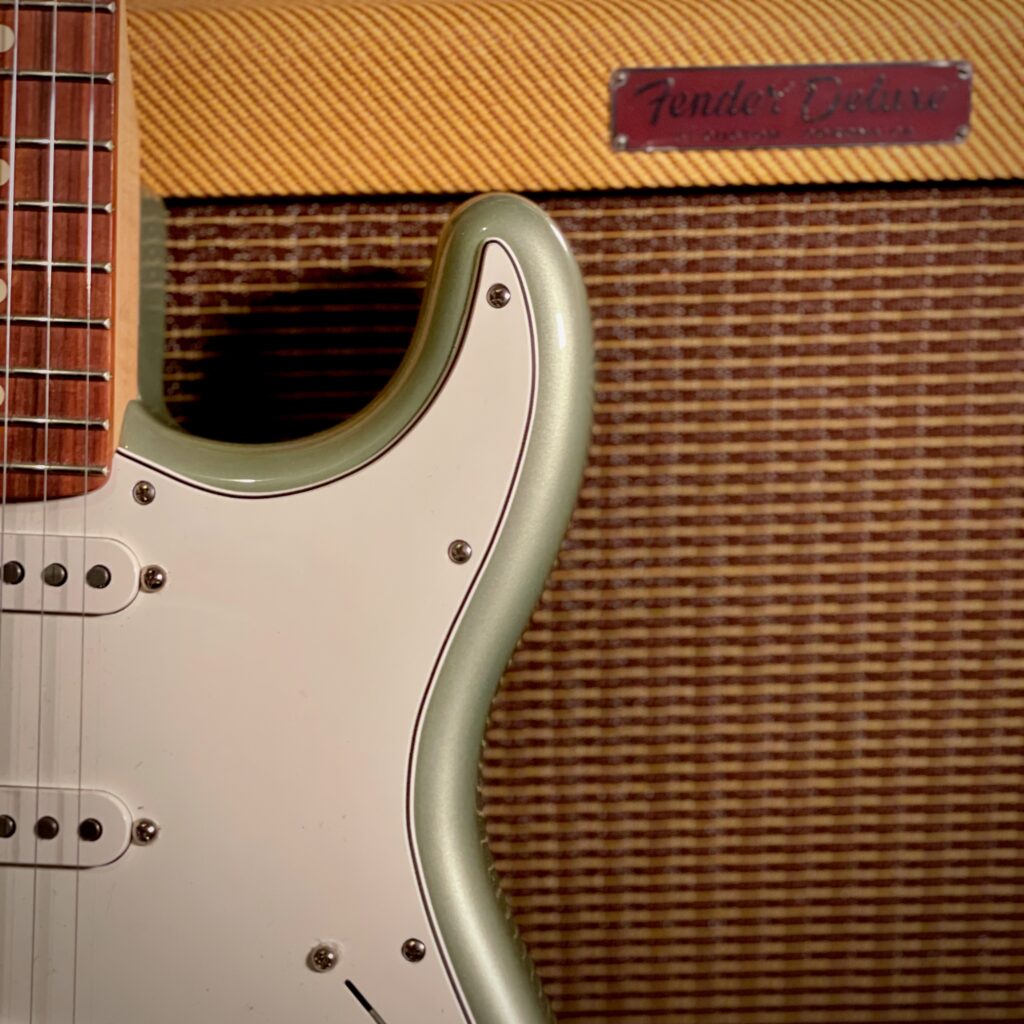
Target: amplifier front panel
760	756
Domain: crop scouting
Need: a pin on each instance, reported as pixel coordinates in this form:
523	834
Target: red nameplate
767	106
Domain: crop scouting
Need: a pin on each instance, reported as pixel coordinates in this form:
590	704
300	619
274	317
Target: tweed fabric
759	758
264	97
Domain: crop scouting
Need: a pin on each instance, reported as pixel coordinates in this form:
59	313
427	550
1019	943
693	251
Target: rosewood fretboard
57	134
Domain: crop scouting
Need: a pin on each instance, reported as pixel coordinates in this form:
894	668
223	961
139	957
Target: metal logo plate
768	106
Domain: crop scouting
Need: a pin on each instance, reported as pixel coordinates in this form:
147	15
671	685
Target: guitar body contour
298	702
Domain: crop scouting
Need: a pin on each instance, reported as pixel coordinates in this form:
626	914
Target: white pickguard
261	708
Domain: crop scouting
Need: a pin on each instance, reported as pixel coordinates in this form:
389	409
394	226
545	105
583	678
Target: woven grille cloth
273	97
759	757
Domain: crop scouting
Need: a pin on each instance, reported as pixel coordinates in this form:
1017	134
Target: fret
58	5
55	467
22	264
54	422
42	371
106	78
103	145
102	323
56	278
45	204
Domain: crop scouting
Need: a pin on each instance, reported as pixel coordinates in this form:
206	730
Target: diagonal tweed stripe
759	758
261	97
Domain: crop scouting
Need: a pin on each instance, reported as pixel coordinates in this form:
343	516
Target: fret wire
39	419
62	207
96	78
30	320
56	421
46	467
60	5
40	371
106	145
97	268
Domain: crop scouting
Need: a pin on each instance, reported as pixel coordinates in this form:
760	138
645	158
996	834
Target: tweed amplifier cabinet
759	758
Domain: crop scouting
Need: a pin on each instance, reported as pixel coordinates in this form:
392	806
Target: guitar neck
58	137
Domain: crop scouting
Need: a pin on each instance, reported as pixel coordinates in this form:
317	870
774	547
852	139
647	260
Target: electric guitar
243	689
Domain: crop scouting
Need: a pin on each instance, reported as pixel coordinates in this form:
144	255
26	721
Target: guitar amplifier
759	757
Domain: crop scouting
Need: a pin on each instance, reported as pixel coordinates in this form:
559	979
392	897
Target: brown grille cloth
759	757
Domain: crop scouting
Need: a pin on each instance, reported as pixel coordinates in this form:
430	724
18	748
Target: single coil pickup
58	575
62	828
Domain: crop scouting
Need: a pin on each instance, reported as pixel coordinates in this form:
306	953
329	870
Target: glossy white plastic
261	708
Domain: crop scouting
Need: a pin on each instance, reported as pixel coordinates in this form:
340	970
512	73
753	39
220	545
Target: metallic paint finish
494	971
309	461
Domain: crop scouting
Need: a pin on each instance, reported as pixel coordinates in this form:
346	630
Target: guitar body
297	702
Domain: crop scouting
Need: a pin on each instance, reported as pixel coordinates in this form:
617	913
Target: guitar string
90	199
9	280
48	333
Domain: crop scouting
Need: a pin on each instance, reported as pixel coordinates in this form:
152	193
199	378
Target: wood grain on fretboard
58	121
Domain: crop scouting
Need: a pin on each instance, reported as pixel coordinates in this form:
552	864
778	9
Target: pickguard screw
460	551
619	79
152	578
144	831
620	142
323	958
8	826
963	71
498	296
144	492
413	950
961	133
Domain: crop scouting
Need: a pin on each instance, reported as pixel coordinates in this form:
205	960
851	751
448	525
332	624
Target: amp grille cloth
760	755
